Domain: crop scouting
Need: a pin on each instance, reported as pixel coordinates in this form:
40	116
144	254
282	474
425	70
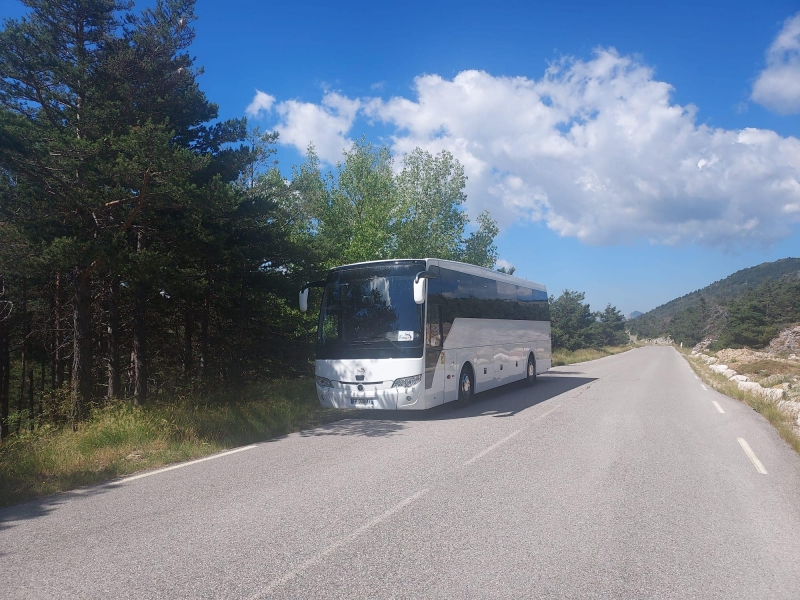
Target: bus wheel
530	373
466	385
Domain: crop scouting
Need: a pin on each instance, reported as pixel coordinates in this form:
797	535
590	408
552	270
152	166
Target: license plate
362	401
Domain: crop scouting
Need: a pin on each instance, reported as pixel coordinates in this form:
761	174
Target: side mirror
420	287
304	300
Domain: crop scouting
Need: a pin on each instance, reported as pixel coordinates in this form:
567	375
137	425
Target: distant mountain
731	287
635	314
706	311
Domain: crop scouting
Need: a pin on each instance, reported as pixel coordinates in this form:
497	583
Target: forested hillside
747	308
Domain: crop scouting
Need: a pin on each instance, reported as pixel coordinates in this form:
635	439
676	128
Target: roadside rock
767	393
729	373
787	340
704	344
740	378
719	368
749	386
792	408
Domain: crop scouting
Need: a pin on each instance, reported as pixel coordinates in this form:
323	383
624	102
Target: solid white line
704	387
186	464
719	408
336	545
492	447
752	456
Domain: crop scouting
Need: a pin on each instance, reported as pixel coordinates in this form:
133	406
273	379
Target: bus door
434	341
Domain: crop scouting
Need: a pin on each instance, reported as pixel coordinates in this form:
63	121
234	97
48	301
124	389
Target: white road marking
704	387
263	592
752	456
492	447
696	377
719	408
186	464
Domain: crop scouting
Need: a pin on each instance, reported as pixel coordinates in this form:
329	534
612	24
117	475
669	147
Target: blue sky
630	151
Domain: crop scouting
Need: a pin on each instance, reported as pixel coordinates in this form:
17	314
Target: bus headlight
407	381
324	382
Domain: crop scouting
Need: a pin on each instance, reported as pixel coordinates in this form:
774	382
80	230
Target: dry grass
781	421
766	367
121	439
565	357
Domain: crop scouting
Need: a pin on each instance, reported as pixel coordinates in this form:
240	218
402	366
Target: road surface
623	477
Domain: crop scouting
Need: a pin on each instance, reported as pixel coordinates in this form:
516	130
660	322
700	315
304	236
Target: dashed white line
752	456
696	377
186	464
719	408
492	447
263	592
704	387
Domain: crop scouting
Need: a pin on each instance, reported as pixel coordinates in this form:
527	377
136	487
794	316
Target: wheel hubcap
466	386
530	369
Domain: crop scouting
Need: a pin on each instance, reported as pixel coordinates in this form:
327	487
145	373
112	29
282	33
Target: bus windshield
369	312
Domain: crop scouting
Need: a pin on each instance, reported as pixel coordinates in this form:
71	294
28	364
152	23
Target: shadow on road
40	507
503	402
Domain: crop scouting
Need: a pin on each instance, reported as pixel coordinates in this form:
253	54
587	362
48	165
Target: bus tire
530	370
466	385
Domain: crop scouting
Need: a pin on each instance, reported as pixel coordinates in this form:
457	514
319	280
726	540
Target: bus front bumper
384	399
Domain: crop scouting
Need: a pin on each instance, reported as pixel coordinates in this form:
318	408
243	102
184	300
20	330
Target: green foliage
571	321
609	328
656	322
430	193
574	326
750	318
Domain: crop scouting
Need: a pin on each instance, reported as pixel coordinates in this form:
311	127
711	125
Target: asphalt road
618	478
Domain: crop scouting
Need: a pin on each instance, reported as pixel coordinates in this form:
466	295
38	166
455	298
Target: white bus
413	334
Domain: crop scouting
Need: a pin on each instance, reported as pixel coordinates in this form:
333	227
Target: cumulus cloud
778	85
596	149
325	125
262	102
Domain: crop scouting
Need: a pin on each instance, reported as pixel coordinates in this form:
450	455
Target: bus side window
434	325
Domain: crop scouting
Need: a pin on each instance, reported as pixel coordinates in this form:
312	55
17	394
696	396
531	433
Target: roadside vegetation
118	438
567	357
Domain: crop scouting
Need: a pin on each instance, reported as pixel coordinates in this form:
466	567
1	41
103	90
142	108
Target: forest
150	250
750	319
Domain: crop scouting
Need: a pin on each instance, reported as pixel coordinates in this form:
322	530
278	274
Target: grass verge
121	439
565	357
782	422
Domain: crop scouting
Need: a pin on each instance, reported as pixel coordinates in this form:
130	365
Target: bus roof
456	266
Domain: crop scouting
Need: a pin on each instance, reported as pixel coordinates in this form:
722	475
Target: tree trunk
59	363
139	335
30	399
81	389
237	372
188	332
139	345
5	362
25	335
204	337
114	375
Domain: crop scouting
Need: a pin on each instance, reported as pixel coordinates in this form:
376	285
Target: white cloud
596	149
261	102
503	264
325	125
778	86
